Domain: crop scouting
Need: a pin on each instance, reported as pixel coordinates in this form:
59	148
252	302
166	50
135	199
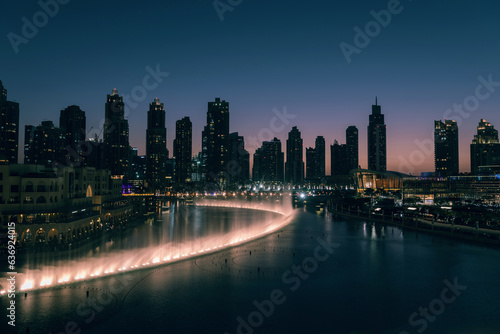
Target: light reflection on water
184	232
371	284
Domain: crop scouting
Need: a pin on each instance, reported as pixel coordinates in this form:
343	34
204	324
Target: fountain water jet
135	259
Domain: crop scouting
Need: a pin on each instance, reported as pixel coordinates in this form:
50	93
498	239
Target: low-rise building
52	204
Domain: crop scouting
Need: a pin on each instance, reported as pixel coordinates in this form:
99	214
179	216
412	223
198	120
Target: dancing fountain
194	240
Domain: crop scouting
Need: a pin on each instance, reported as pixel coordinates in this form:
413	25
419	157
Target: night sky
264	55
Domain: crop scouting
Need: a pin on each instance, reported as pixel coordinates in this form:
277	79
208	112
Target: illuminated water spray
134	259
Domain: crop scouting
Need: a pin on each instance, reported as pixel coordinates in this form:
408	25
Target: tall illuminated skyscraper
73	121
352	144
183	148
216	135
485	147
446	147
377	146
116	148
156	146
9	128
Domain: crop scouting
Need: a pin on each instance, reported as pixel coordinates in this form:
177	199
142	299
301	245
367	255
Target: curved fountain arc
90	269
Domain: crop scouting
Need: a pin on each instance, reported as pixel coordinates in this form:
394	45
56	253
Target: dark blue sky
264	55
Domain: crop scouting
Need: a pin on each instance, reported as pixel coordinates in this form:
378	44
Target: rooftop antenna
376	100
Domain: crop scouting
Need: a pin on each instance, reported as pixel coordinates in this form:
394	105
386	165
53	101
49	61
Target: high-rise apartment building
216	135
352	143
183	149
269	162
377	141
156	146
446	147
238	166
73	121
9	128
116	147
485	147
294	166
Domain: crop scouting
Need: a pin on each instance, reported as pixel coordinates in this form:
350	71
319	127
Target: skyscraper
344	157
340	159
116	149
294	167
269	162
319	151
48	145
9	128
311	166
256	168
485	147
204	154
352	143
446	147
315	161
217	133
377	151
183	150
156	146
239	159
73	121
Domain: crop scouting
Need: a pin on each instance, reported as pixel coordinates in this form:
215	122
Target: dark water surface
317	275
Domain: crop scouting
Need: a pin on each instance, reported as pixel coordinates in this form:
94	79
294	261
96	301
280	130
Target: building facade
60	205
138	169
47	146
156	146
446	147
485	147
340	158
183	149
319	150
269	162
377	140
116	147
216	135
239	160
73	122
9	128
315	161
352	142
294	167
311	166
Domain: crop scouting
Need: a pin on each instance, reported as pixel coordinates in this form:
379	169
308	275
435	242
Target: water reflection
182	232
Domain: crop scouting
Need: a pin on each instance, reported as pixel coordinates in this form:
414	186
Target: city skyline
417	75
235	166
109	115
